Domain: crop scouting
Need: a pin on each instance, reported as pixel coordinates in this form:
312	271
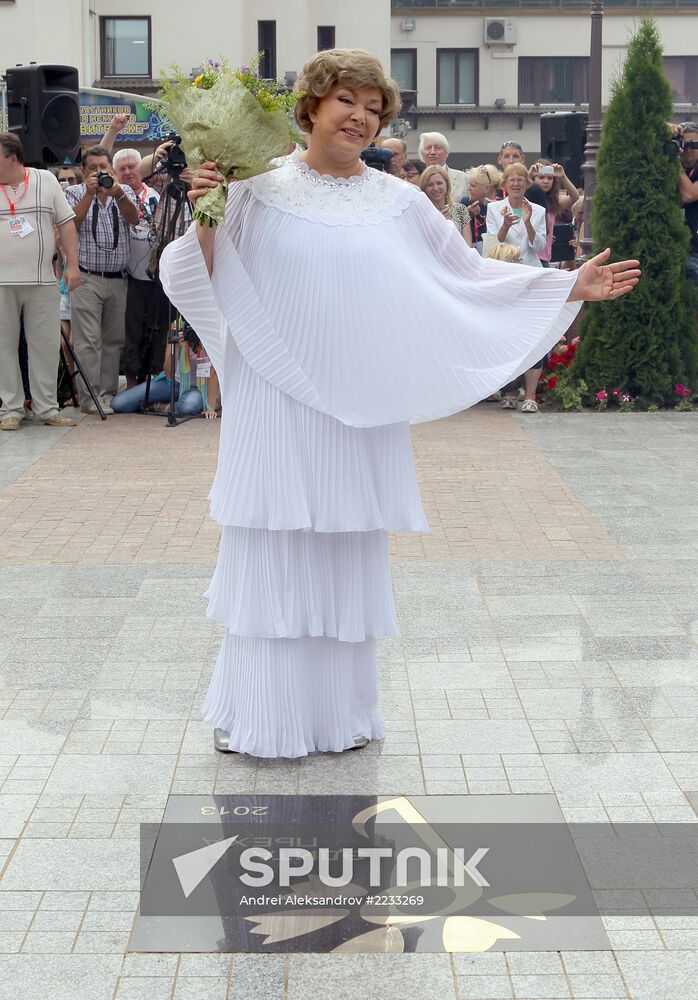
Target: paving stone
391	977
72	865
658	975
71	977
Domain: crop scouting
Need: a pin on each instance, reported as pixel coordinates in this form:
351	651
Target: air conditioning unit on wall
500	31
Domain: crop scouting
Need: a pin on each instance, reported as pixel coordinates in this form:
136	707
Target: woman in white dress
311	300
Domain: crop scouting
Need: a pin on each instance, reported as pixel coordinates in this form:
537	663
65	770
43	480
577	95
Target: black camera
190	336
104	179
378	158
676	145
175	161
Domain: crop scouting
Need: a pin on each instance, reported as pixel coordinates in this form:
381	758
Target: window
456	76
125	46
325	37
682	74
552	80
403	68
266	44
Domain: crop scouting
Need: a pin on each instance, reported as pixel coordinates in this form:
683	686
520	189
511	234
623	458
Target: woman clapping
515	220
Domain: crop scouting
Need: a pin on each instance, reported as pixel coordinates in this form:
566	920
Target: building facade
124	44
480	71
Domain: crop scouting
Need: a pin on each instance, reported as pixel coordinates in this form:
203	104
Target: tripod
173	418
172	204
64	371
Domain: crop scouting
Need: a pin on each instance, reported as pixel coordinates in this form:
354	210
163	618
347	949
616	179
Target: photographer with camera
144	320
104	213
685	141
168	159
167	168
196	381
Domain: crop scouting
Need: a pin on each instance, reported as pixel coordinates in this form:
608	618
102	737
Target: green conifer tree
645	342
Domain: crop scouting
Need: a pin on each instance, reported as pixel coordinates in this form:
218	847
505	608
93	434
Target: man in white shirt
434	149
31	204
146	318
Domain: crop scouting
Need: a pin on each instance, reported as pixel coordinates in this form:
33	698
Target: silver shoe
221	741
359	741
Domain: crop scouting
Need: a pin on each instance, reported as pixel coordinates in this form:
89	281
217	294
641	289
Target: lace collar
364	199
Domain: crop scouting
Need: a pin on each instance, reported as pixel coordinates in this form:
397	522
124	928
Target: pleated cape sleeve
365	302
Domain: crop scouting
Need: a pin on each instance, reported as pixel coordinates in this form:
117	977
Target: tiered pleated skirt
302	584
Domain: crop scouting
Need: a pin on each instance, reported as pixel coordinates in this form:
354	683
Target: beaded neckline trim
328	179
363	199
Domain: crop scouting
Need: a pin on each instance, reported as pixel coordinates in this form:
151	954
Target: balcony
688	6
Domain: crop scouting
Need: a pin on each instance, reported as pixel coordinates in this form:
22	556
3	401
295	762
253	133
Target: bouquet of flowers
232	117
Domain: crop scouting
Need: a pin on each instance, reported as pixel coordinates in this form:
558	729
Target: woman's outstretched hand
597	281
206	177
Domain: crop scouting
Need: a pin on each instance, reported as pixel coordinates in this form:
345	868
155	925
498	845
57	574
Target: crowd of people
79	255
500	204
110	218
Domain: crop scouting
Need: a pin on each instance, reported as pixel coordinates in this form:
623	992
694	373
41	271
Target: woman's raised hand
527	210
206	177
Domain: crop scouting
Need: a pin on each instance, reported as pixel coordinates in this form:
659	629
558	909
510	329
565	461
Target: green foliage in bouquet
232	117
646	341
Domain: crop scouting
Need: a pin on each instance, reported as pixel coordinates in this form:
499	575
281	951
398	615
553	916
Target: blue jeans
129	401
692	268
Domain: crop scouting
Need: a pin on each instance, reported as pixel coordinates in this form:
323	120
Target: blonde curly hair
505	251
352	68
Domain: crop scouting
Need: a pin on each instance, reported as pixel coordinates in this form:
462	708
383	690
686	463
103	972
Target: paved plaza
548	648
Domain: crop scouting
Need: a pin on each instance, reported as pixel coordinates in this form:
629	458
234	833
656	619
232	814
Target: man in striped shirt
31	204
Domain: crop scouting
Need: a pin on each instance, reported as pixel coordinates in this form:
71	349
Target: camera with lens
190	336
378	158
676	145
104	179
175	161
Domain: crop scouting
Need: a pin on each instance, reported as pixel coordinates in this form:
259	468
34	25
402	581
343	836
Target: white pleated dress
339	311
